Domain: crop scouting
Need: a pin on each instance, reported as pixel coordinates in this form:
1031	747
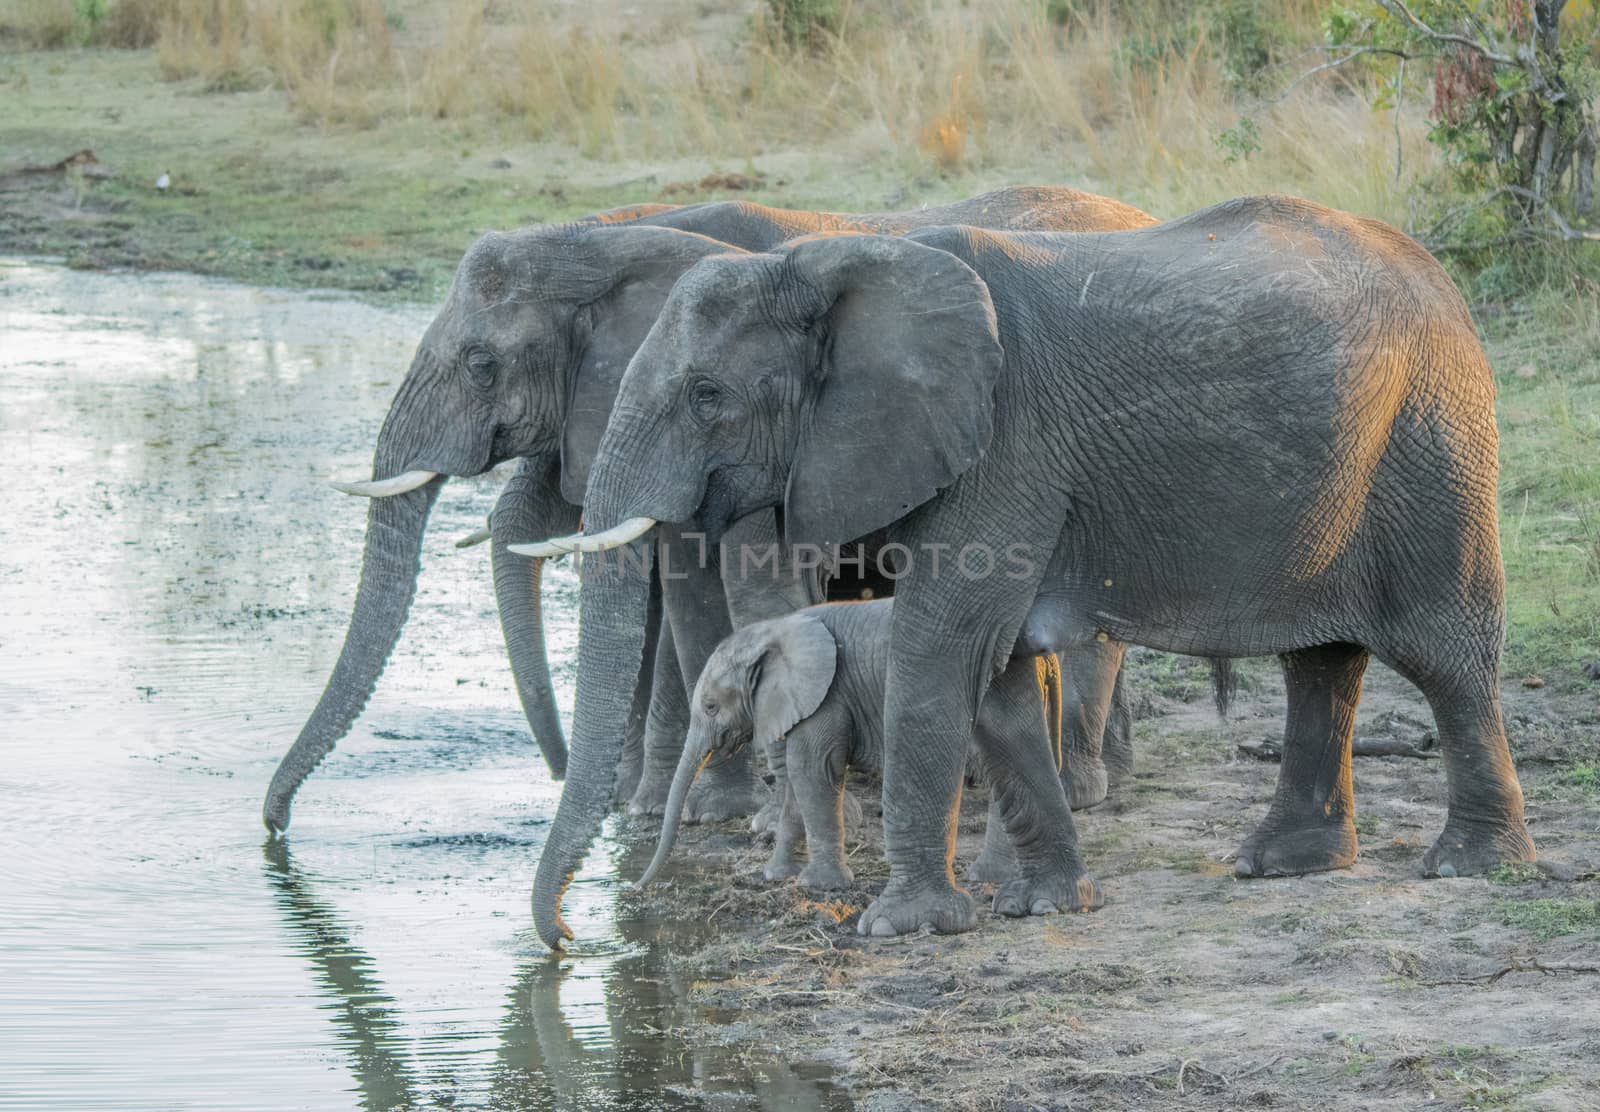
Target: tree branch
1399	8
1518	965
1566	231
1336	63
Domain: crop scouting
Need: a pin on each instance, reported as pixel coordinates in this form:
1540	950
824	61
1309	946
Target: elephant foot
1069	888
765	820
1290	847
1086	782
781	866
726	790
905	908
995	865
827	876
1468	848
650	797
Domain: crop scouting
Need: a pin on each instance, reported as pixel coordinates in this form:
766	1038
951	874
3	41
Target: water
175	576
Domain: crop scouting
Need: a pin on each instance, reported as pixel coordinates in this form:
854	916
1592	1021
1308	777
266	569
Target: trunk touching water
530	508
696	753
615	604
389	567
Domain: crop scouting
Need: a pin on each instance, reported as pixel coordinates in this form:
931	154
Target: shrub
1513	100
807	24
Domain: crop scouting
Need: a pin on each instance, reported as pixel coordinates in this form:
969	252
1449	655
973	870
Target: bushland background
362	144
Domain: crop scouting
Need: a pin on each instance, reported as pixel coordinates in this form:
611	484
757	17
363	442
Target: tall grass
1137	94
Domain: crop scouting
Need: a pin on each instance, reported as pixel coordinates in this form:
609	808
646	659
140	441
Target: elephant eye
705	398
711	709
482	364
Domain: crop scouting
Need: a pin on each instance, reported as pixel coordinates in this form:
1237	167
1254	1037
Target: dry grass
50	24
1136	95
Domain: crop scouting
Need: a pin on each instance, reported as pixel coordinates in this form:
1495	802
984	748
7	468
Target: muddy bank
1370	988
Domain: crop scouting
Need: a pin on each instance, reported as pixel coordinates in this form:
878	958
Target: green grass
1547	919
1513	873
259	197
1547	366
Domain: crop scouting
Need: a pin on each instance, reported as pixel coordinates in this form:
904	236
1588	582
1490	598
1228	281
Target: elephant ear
905	396
791	677
628	273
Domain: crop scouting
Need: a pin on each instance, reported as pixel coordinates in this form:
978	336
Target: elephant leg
1117	747
1485	825
697	610
1311	826
947	641
666	725
1014	745
766	819
630	770
817	749
853	817
1089	678
788	846
997	863
923	774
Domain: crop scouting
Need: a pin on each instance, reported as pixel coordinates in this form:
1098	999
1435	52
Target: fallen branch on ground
1518	965
1427	748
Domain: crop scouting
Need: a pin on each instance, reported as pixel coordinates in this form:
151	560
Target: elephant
810	687
1263	428
522	362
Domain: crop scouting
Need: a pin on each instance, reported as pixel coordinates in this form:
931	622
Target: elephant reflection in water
547	1056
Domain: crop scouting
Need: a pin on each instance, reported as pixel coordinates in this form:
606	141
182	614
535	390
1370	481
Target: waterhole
175	576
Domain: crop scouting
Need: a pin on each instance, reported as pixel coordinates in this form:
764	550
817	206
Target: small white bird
163	181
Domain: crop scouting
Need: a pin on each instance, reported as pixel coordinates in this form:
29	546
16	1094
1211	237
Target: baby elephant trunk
696	753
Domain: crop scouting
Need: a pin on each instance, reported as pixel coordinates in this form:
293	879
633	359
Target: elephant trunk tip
554	933
275	817
650	873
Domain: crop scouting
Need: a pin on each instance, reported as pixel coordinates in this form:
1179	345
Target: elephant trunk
696	752
530	507
389	568
613	609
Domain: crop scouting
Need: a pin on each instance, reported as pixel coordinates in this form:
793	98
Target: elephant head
845	378
523	360
756	685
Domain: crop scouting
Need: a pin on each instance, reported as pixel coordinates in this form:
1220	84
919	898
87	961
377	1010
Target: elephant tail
1224	684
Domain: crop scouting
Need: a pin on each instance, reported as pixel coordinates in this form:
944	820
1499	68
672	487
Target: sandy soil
1368	988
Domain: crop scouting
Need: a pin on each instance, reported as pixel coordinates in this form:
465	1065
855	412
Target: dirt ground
1368	988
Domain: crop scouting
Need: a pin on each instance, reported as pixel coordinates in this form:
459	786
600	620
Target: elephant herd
1048	424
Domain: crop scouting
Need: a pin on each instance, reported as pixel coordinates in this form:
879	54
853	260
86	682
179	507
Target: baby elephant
808	688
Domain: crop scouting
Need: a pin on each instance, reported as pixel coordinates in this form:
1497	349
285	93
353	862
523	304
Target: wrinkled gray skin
523	361
810	688
1267	427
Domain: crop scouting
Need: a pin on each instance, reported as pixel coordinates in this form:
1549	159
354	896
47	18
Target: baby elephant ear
791	677
627	273
907	375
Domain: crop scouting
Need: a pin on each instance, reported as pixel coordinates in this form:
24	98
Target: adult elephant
1267	427
523	361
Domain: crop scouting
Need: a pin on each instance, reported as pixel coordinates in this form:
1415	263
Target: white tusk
477	536
387	488
615	537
